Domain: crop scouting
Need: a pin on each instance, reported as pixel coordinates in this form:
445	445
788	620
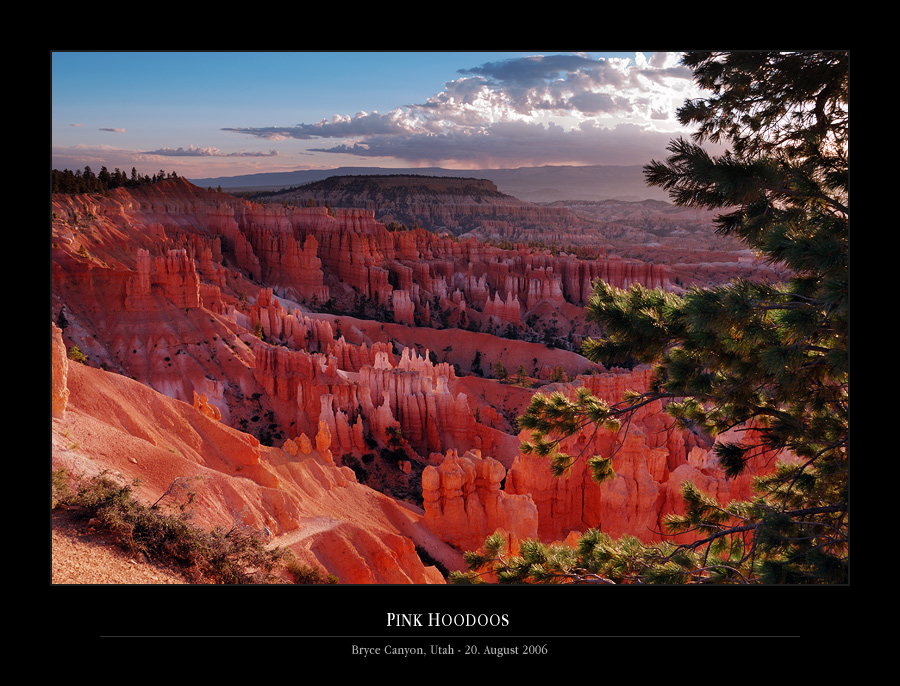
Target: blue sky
207	114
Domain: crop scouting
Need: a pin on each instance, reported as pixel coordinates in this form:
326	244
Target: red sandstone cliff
651	459
105	421
216	347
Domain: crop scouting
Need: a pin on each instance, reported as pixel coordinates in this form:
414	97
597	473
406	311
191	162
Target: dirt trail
309	526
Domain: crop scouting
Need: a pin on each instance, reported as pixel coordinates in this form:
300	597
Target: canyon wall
107	422
270	348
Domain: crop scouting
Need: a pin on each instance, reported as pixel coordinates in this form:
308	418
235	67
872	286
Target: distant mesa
458	205
533	184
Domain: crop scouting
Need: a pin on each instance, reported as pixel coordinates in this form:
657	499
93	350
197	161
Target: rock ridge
314	366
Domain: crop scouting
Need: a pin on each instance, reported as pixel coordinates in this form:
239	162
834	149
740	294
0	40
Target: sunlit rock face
338	380
651	459
464	502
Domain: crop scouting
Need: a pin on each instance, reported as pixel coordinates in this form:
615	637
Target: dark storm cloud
659	75
596	103
277	132
531	72
205	152
559	83
362	124
519	144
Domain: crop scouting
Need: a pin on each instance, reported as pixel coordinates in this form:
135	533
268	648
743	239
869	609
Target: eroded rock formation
307	502
651	458
292	356
465	503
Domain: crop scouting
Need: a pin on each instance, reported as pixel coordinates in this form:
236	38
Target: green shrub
307	574
222	556
60	490
76	355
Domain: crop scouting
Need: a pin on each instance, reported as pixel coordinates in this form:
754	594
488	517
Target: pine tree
745	354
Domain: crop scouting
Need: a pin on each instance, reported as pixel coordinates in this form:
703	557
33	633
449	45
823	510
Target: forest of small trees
87	181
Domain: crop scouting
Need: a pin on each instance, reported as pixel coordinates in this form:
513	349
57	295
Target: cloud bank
192	151
555	109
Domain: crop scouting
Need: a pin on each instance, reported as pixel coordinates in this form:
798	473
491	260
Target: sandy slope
138	436
81	555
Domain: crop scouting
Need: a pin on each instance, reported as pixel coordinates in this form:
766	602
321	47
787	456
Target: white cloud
535	110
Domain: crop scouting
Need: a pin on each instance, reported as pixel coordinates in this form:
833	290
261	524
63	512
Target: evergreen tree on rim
744	355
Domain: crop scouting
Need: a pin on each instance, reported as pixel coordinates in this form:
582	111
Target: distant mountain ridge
461	205
533	184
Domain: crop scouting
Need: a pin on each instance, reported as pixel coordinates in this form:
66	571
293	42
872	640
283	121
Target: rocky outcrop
309	504
353	358
173	273
404	310
504	312
651	459
219	305
59	369
201	404
295	383
464	502
289	265
415	396
292	328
